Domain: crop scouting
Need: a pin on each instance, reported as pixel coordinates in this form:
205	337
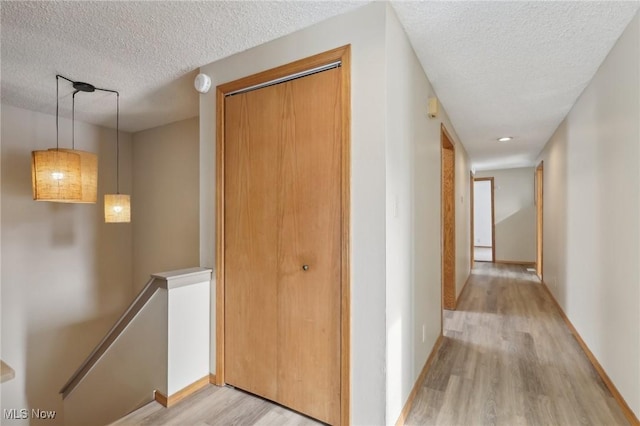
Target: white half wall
166	209
66	275
591	235
188	336
515	213
364	30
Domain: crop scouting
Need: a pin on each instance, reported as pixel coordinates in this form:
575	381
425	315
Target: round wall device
202	83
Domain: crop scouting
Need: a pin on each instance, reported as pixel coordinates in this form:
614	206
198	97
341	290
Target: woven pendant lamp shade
117	208
88	175
56	176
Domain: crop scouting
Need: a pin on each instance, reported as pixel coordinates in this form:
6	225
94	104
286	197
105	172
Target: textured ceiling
147	50
511	68
499	68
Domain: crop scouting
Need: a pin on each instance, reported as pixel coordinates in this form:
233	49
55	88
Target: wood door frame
539	202
493	216
447	143
342	54
472	226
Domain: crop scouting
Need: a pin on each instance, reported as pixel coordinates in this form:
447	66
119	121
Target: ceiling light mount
505	139
83	87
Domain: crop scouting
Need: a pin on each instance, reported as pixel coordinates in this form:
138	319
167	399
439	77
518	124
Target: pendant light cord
117	143
73	120
57	108
85	87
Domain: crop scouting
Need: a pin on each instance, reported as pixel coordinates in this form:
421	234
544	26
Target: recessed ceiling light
505	139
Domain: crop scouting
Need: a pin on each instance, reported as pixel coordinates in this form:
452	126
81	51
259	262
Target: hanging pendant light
66	175
56	173
56	176
117	207
70	175
88	176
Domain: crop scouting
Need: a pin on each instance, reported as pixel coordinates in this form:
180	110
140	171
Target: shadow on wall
64	349
65	273
516	236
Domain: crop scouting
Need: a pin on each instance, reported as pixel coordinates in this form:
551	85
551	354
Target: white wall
482	220
413	255
165	210
364	30
591	209
515	213
66	274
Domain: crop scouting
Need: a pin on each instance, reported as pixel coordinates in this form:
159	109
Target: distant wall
515	214
166	209
66	275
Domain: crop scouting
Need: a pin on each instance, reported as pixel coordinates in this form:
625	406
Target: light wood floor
508	358
215	405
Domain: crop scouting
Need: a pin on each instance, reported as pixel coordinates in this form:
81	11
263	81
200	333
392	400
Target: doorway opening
448	168
484	240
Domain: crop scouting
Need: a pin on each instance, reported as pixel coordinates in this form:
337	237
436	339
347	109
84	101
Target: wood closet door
283	243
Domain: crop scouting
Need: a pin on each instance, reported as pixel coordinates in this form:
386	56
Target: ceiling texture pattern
511	68
147	50
499	68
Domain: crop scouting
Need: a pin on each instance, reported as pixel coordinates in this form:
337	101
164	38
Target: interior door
283	243
448	208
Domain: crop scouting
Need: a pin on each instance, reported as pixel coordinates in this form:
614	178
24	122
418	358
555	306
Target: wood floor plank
216	406
425	407
508	358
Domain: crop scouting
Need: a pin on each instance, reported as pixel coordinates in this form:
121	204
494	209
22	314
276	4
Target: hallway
508	358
